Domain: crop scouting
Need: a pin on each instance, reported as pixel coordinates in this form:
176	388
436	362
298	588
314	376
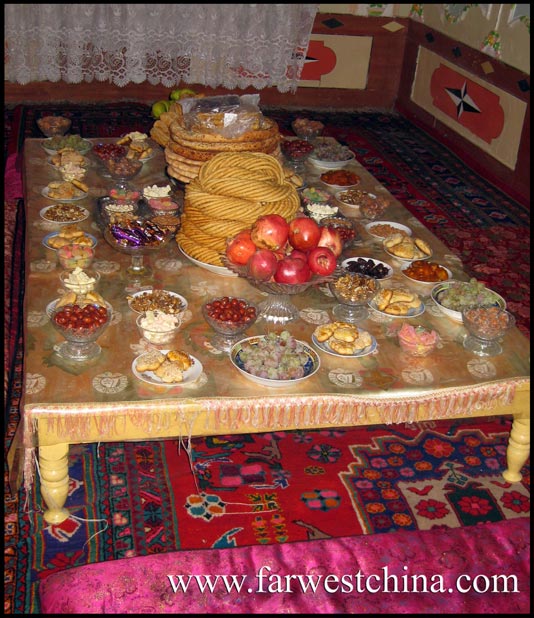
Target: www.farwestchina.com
267	582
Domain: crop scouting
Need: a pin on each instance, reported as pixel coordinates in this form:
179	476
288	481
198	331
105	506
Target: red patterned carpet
135	499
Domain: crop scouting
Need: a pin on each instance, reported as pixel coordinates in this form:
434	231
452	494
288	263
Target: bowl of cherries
229	317
296	151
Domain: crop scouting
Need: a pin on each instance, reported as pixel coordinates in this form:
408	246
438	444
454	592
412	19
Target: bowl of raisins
368	266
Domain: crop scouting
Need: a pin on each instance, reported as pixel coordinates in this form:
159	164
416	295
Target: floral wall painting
457	12
416	12
492	44
521	13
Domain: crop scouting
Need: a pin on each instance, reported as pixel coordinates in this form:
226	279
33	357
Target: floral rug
136	499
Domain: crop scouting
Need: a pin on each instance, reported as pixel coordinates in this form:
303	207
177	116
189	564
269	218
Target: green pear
181	93
187	92
175	94
159	107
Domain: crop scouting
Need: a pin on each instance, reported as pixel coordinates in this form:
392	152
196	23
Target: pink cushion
141	585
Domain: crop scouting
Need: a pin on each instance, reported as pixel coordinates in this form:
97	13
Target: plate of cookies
407	248
397	303
344	339
167	367
69	234
65	191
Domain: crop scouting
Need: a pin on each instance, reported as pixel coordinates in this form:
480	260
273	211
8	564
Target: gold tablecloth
102	400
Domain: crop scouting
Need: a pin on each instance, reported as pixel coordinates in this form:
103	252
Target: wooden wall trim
516	183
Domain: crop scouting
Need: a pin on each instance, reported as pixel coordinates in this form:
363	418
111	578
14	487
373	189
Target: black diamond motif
457	51
523	84
429	37
332	23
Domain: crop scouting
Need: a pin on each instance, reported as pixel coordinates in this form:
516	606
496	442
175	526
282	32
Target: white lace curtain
230	45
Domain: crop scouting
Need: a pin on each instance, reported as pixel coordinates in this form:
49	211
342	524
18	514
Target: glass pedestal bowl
138	267
296	152
278	307
353	293
486	326
229	331
307	129
122	169
80	332
54	125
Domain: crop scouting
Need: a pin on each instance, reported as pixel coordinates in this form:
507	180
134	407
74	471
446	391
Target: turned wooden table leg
54	469
518	449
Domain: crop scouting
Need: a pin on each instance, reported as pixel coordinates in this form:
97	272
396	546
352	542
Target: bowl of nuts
229	317
353	292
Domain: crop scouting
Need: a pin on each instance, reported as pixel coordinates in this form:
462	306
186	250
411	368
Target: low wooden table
102	401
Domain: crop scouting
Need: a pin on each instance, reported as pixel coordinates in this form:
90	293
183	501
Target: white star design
462	100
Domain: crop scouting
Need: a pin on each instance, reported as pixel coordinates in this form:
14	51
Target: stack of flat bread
232	191
186	150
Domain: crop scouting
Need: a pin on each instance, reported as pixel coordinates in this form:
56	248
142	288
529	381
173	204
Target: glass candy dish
307	129
296	152
79	280
278	306
417	340
80	334
486	325
54	125
115	236
122	170
157	327
353	292
228	320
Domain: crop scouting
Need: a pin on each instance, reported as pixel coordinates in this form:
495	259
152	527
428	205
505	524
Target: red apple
262	264
291	270
322	261
240	248
297	254
304	233
270	232
330	238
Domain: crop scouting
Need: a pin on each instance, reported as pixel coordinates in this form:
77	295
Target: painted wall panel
487	116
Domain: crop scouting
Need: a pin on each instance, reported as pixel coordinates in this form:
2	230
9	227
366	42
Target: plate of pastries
69	234
166	367
344	339
407	248
66	190
397	303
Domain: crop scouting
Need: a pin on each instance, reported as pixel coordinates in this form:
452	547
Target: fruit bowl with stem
278	306
122	169
229	317
80	325
486	326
